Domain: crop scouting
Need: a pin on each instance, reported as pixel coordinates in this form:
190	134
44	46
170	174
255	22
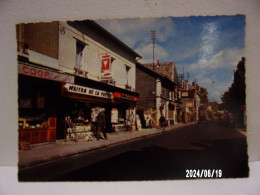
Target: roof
165	68
96	26
154	73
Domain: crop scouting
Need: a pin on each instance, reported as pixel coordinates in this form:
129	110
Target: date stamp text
203	173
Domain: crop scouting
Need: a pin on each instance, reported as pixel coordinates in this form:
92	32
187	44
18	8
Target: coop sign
71	88
43	73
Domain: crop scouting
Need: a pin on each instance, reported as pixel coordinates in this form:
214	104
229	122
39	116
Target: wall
165	93
42	42
43	38
145	85
96	34
93	54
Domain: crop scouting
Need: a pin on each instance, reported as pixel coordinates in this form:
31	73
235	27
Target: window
80	58
127	68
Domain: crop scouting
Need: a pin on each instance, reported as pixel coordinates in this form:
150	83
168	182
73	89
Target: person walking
162	121
101	124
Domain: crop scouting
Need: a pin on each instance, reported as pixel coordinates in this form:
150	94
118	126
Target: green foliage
235	97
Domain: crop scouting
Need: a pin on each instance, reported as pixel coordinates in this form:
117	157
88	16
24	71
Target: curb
57	158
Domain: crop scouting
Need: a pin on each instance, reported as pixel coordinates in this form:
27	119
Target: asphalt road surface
206	150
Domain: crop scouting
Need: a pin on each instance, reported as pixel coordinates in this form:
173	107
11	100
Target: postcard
140	99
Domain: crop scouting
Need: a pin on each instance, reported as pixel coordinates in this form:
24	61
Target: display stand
46	132
78	129
70	130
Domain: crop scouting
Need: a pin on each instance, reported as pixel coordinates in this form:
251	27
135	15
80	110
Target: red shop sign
35	72
125	96
105	66
44	74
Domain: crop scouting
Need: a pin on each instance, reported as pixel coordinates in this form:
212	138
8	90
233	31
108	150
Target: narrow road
172	155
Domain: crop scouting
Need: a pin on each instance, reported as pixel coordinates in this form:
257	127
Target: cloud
216	72
217	89
147	53
136	32
223	59
209	38
208	48
183	54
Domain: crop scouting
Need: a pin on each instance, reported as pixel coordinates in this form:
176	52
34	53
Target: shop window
40	102
121	113
25	103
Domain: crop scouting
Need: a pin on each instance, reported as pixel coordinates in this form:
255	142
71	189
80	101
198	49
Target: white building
74	68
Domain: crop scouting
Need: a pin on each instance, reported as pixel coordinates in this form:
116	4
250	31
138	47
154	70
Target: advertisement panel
114	115
106	68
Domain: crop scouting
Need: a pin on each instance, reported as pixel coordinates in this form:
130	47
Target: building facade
156	96
168	101
194	102
69	70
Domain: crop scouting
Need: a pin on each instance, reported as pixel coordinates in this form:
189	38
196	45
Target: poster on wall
114	115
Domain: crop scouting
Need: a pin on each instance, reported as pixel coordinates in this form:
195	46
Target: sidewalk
53	151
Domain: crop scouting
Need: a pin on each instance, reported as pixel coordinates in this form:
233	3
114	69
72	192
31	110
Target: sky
207	48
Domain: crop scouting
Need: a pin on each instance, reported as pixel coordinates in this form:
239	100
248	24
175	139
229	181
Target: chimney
158	64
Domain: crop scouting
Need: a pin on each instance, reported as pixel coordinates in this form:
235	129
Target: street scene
132	99
146	156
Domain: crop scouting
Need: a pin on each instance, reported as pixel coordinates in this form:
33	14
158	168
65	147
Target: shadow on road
159	163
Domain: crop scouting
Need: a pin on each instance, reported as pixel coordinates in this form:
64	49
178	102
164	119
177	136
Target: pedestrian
101	124
147	118
162	121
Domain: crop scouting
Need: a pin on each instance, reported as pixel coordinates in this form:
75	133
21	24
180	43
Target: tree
235	97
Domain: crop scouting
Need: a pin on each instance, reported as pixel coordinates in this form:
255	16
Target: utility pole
153	37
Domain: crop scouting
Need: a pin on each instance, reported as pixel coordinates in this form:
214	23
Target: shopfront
37	109
126	106
82	104
38	97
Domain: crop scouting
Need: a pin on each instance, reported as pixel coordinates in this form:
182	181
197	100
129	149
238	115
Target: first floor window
80	55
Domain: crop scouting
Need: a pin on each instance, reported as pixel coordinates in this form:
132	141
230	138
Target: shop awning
103	86
44	73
